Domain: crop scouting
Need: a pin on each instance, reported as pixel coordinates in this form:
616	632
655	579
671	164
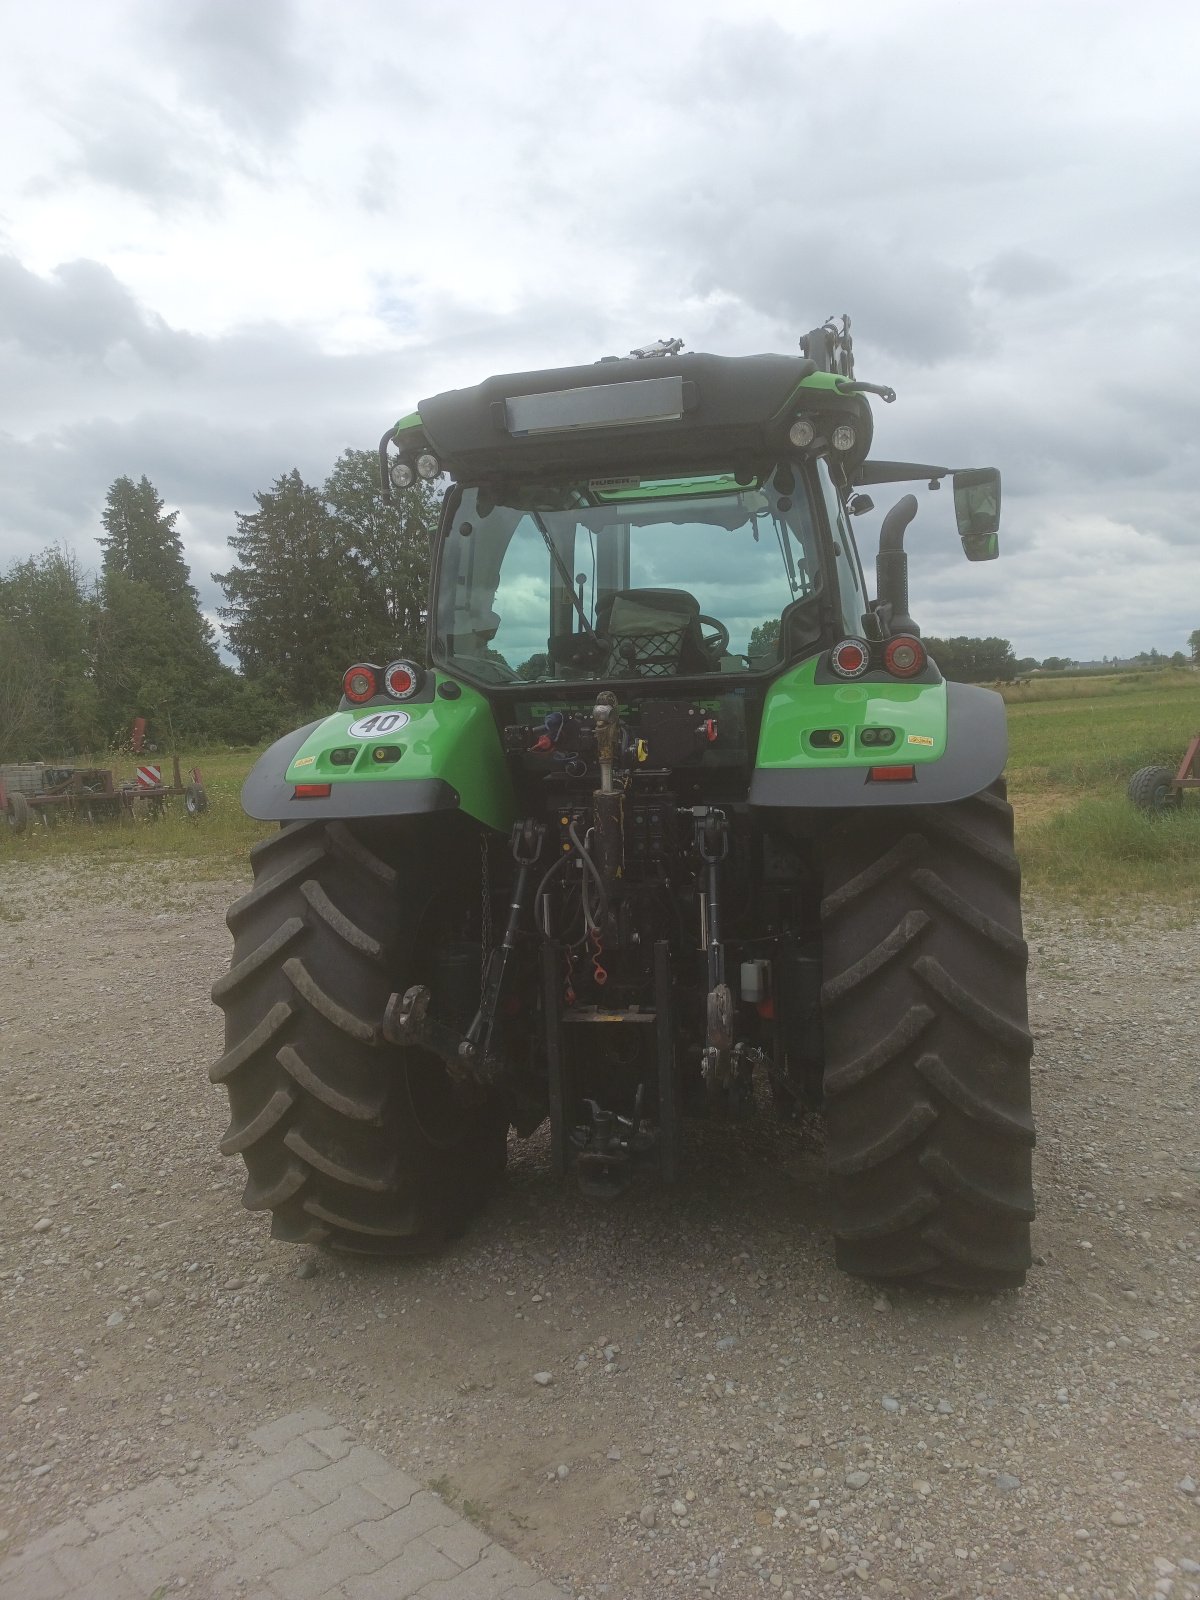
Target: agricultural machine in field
675	824
34	791
1159	791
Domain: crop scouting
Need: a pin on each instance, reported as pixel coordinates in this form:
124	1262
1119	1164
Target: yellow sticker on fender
919	738
304	761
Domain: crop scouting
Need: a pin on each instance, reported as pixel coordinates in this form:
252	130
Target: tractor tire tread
927	1081
347	1140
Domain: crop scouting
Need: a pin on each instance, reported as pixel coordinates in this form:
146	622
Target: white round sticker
377	724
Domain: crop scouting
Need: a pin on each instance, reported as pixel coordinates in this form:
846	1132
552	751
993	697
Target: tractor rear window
618	578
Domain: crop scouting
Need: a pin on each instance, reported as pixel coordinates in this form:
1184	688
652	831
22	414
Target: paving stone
134	1536
36	1580
394	1488
269	1553
110	1513
390	1534
490	1575
256	1476
333	1442
418	1564
189	1557
327	1480
345	1556
308	1514
275	1435
74	1532
249	1522
460	1540
201	1505
314	1527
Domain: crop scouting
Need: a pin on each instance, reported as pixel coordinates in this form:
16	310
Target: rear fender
953	735
441	755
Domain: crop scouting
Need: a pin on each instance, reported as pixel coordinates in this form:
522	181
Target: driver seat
655	633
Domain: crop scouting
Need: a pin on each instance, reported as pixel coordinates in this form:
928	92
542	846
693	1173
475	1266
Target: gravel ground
674	1394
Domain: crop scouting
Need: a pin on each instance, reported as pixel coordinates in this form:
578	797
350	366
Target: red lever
544	742
710	729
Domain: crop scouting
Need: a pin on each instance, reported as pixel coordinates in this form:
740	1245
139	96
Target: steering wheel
714	636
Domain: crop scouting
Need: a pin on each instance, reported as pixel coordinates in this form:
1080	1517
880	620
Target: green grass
1072	747
214	845
1070	757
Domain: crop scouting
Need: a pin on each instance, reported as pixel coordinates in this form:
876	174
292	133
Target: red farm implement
1158	790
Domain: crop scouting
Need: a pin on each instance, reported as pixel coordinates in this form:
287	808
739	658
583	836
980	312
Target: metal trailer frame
92	792
1188	776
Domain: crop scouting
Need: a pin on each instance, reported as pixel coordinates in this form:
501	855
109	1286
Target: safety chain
485	912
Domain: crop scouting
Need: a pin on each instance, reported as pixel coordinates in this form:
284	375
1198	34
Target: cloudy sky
238	235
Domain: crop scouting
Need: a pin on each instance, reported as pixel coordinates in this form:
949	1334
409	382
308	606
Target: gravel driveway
715	1409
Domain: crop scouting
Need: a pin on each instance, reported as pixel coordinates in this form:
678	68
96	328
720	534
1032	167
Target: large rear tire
347	1140
927	1080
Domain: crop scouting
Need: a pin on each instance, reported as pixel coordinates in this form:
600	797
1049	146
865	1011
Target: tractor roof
679	410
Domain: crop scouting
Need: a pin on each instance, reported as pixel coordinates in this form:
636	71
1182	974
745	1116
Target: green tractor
675	823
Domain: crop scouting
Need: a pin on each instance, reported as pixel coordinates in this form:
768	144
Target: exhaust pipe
891	567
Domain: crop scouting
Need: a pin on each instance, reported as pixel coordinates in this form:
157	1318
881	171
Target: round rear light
842	437
802	432
402	474
360	684
851	658
428	466
904	656
402	679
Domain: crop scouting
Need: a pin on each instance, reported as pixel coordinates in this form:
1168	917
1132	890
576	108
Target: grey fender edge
268	798
976	750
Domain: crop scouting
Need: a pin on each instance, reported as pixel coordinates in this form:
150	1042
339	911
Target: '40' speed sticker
378	723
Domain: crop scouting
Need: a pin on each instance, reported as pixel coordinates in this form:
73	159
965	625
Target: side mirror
977	512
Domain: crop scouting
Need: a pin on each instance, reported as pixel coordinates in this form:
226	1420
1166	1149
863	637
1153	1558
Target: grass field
1073	744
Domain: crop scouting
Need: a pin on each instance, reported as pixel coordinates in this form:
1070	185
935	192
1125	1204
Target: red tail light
851	658
892	774
360	683
313	791
904	656
402	679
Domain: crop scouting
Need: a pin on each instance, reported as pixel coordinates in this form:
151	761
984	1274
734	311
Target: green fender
389	760
812	754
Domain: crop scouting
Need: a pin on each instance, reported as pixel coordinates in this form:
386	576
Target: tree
974	660
155	650
764	639
387	546
1057	663
1194	645
294	601
48	702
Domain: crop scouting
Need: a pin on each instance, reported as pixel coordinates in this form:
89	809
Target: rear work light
851	658
361	683
904	656
402	679
892	774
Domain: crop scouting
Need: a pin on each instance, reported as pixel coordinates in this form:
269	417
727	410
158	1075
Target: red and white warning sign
149	777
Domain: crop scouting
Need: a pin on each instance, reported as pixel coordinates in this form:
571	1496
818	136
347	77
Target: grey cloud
126	140
1019	273
243	62
82	311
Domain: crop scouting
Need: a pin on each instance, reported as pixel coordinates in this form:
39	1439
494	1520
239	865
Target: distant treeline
321	577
